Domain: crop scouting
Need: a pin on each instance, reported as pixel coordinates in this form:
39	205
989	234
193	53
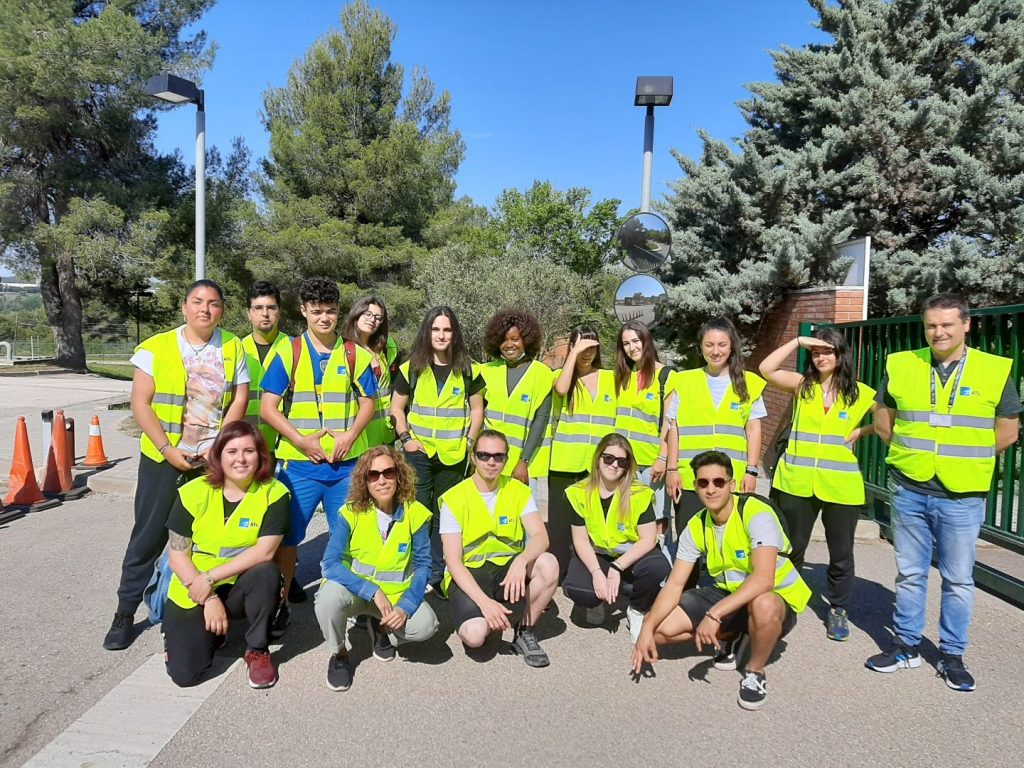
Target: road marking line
130	725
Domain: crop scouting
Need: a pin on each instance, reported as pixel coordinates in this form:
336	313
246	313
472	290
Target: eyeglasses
719	482
374	475
372	317
610	460
264	308
485	457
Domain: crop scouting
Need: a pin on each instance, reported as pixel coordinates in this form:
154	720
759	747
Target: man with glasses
495	549
262	347
756	593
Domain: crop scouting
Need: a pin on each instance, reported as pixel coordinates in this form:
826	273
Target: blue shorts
309	492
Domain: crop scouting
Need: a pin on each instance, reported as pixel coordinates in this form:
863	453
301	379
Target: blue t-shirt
277	379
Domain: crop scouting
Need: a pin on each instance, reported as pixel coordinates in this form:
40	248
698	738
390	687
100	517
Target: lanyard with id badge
936	419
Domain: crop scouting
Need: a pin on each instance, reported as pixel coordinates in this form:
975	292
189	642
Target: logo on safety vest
741	555
622	526
403	548
734	406
245	522
456	390
341	370
525	398
503	520
607	398
650	395
966	391
843	415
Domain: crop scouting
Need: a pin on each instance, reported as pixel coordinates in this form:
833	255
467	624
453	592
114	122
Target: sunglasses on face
719	482
610	460
485	457
376	474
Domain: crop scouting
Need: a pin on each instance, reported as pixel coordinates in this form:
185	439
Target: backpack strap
663	375
350	360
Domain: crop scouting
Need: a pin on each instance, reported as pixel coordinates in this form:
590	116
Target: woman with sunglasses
367	325
438	408
818	471
584	412
614	536
377	563
224	529
641	390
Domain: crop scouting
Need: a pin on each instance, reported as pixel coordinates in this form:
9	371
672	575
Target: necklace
195	352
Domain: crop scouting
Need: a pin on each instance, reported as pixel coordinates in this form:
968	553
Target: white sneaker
595	616
635	620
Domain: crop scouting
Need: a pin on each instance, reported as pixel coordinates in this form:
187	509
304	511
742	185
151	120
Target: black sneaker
339	673
280	622
119	636
753	691
729	651
383	650
296	594
898	657
526	645
952	670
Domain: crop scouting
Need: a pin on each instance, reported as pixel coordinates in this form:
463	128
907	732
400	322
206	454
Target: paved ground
59	568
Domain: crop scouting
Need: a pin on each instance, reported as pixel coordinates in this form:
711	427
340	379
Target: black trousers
433	478
840	521
189	646
155	492
560	518
689	504
641	582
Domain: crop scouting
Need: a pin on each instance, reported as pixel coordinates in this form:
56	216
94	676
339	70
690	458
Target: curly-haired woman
377	563
518	392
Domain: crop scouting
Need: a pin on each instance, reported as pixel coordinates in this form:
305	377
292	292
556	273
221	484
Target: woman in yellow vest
584	412
517	392
188	383
438	408
224	530
377	564
818	471
717	407
614	536
367	326
641	391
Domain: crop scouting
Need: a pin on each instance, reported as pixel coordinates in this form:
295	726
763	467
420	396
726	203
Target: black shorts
697	602
489	577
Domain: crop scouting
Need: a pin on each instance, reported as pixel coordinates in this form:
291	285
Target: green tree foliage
72	139
908	127
357	169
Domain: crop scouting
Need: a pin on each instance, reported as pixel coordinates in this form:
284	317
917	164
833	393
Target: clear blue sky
540	90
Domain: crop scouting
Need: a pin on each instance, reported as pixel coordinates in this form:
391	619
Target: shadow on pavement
871	611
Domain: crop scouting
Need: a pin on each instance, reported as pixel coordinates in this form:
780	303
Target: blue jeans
953	525
307	493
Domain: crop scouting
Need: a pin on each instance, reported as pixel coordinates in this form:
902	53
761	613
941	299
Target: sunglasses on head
720	482
376	474
610	460
485	457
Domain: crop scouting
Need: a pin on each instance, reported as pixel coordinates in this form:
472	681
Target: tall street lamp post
651	92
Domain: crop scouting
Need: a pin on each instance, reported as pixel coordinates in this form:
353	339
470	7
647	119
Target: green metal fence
999	330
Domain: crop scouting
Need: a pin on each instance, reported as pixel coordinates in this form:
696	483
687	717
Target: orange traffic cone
58	467
95	456
24	490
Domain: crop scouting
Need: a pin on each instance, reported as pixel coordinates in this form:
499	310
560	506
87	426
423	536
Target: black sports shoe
339	673
526	645
119	636
296	594
753	691
729	651
280	622
899	656
952	670
383	650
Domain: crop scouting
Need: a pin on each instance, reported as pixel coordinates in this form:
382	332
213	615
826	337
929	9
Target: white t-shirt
763	528
448	523
384	521
718	385
204	390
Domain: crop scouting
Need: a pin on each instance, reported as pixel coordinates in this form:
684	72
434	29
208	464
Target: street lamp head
176	90
653	92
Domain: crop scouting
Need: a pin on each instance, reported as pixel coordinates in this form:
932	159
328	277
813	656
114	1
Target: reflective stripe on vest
512	413
379	431
610	535
388	564
439	421
636	417
281	347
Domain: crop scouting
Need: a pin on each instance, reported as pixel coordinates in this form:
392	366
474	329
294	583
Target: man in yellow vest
946	412
495	550
757	592
322	434
262	346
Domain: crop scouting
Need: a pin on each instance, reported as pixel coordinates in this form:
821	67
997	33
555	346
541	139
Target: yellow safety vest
577	434
379	431
963	454
388	564
439	422
817	461
610	535
282	348
731	563
494	539
637	417
338	406
214	539
703	427
513	413
170	378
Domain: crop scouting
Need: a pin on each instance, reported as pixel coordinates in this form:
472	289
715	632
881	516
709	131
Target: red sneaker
261	670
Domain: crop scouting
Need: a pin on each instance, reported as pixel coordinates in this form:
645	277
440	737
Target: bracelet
713	618
750	470
615	566
161	450
662	458
405	437
213	596
672	469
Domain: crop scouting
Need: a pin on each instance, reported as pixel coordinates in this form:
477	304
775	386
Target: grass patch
119	371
